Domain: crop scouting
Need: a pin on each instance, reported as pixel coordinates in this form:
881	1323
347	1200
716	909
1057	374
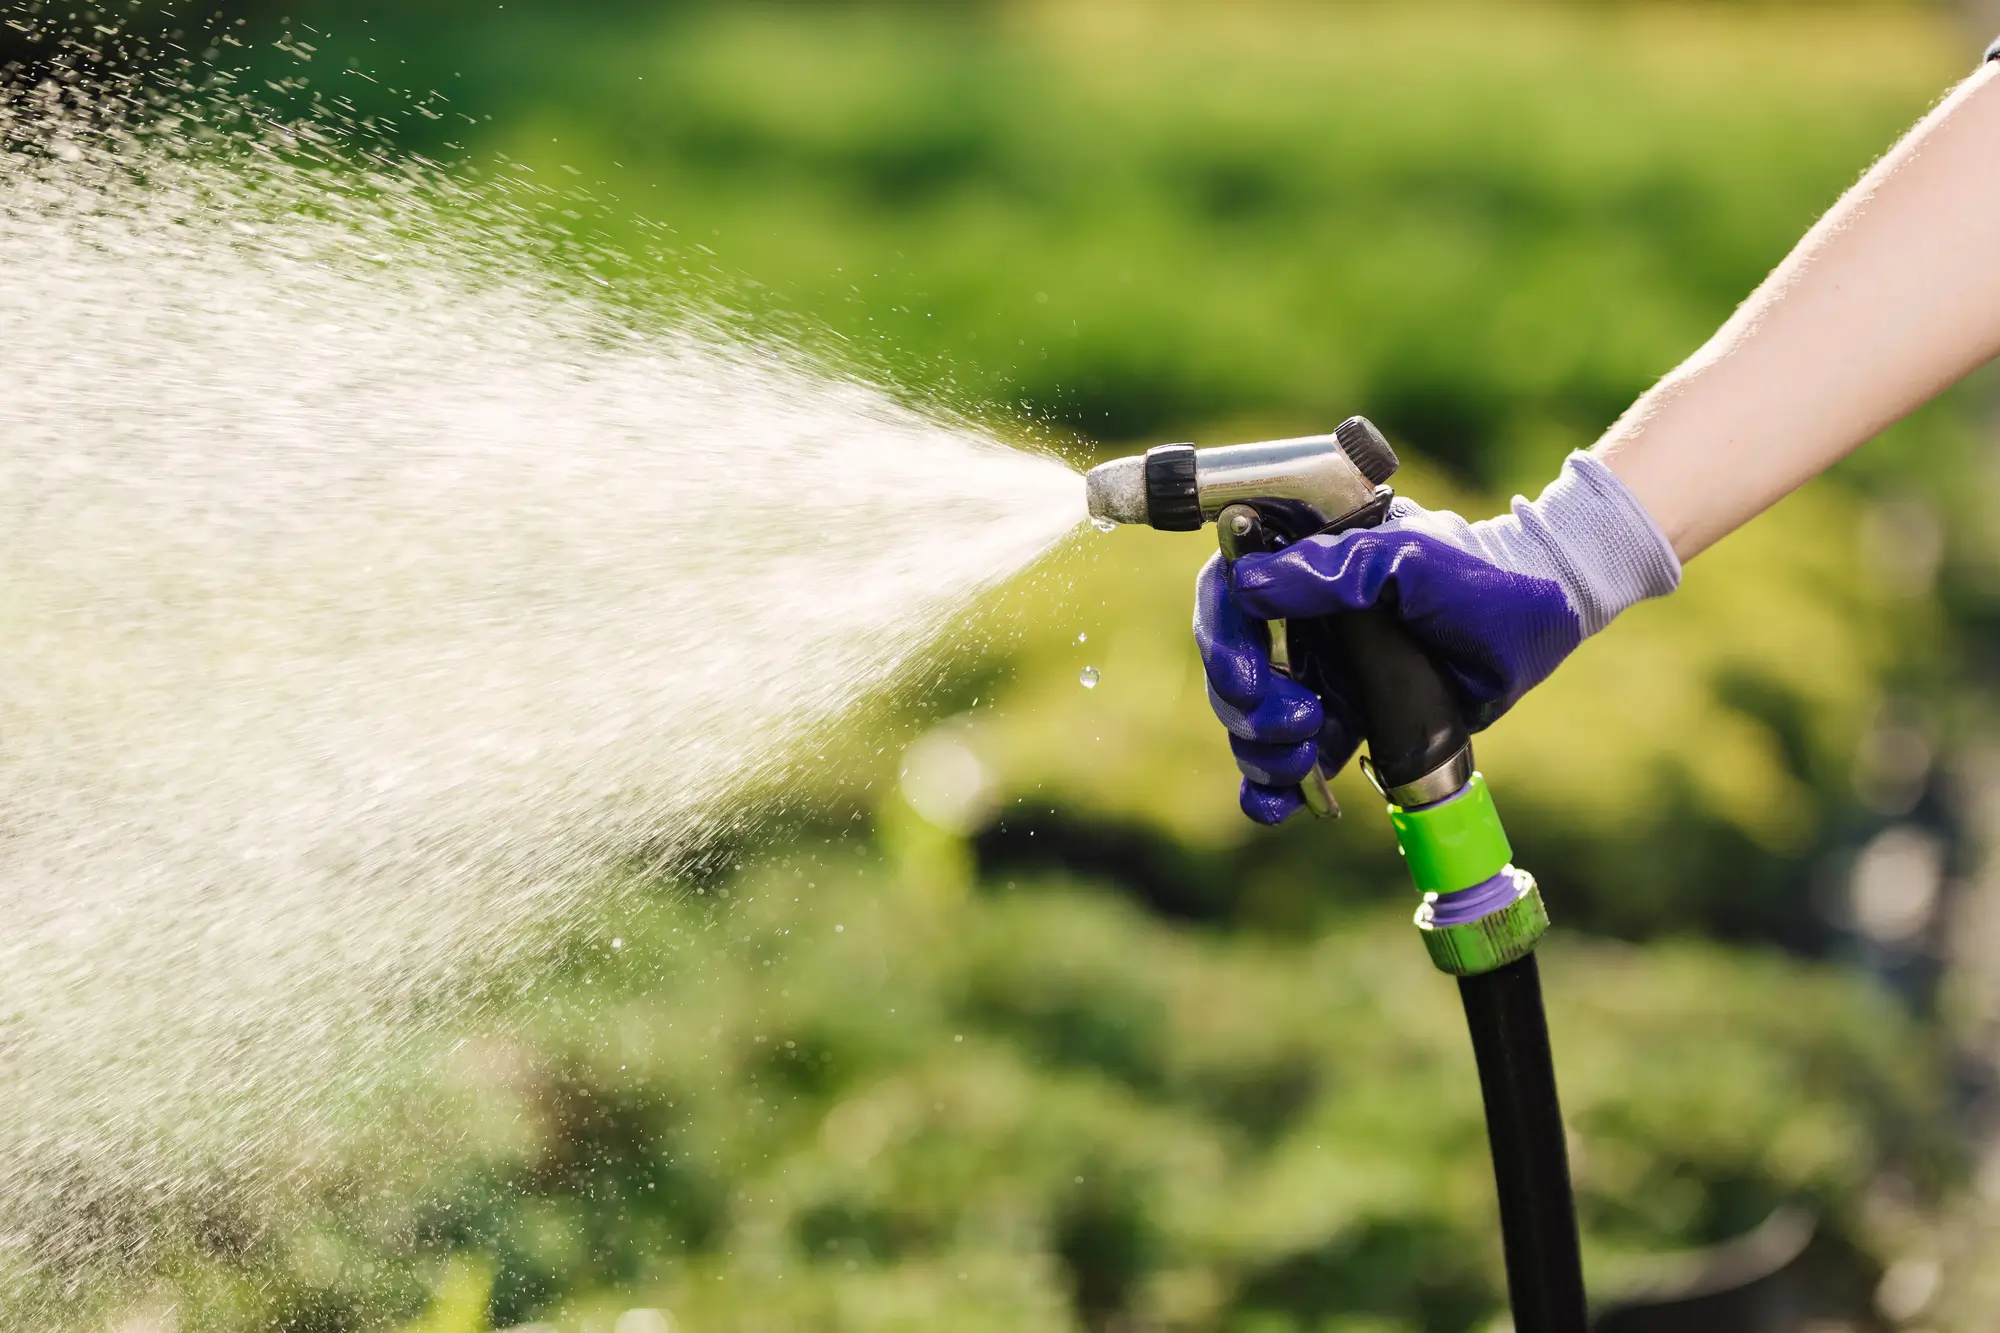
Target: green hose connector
1456	845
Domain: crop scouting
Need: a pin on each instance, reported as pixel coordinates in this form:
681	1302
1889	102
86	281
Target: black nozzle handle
1411	715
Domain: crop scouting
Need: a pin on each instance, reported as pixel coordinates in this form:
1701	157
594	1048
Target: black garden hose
1517	1078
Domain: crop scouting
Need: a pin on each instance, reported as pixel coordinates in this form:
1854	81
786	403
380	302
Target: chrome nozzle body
1178	487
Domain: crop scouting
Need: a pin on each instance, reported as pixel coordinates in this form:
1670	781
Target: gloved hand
1497	604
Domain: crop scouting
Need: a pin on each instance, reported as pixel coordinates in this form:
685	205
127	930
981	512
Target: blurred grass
843	1091
1107	1057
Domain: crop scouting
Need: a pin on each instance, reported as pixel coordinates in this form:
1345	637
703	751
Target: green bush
849	1091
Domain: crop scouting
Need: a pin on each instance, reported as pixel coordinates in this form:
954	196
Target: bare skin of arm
1892	297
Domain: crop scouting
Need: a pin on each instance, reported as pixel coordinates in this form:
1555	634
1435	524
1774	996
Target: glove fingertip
1274	765
1289	713
1269	805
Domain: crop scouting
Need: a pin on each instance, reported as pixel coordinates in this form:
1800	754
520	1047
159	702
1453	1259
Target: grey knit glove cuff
1586	532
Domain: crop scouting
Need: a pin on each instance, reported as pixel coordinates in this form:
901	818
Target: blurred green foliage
1493	226
846	1089
1103	1056
1488	227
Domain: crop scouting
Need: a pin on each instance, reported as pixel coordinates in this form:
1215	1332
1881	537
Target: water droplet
617	943
1089	677
1082	638
1103	525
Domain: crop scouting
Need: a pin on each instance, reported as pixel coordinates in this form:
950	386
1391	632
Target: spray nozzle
1177	487
1260	494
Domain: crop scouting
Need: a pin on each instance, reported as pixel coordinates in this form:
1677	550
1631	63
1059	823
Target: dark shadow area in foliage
1443	412
1289	881
1160	872
844	1229
1126	399
802	1064
1075	1020
1235	185
1264	1100
611	1153
1106	1242
1426	1275
1731	1206
1759	1283
1780	711
899	166
1686	873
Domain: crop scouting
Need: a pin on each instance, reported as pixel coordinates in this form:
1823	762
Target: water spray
1480	917
379	605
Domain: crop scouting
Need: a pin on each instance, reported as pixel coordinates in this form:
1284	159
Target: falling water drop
1083	638
1089	677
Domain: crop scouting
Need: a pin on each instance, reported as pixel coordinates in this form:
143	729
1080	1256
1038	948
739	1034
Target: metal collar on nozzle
1177	487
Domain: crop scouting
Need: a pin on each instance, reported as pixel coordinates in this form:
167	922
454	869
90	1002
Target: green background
1103	1055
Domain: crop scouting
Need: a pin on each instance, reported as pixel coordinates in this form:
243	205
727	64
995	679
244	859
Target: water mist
364	595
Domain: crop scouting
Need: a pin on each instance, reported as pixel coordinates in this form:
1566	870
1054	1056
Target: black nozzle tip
1366	449
1173	496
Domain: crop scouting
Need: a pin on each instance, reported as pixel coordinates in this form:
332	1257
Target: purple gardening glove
1498	605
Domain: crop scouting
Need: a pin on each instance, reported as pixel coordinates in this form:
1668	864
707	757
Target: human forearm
1890	298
